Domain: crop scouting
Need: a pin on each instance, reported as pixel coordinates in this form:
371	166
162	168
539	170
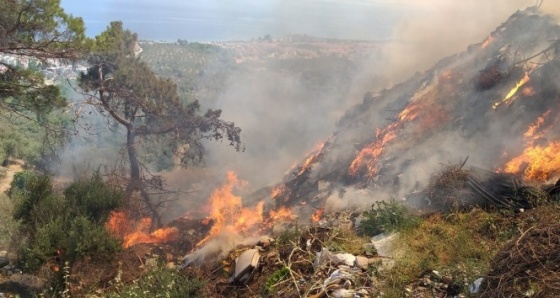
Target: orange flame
317	215
541	162
134	233
409	113
486	42
276	191
531	133
507	99
311	158
229	214
368	155
282	213
528	91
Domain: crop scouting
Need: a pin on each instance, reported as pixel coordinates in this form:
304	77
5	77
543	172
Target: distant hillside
202	70
286	94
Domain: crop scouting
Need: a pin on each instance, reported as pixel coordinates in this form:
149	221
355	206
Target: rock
346	259
362	262
245	265
382	244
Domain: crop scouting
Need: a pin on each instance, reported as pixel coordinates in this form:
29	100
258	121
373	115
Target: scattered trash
475	286
325	256
245	265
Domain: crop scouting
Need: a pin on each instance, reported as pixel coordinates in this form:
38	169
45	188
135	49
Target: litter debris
475	286
245	265
325	256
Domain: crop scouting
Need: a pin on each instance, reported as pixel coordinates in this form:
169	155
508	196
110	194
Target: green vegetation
451	245
65	227
200	70
40	30
275	278
8	225
384	216
159	282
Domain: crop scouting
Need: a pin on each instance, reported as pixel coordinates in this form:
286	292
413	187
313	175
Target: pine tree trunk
135	183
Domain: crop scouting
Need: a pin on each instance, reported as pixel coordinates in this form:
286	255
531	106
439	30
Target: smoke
351	199
218	247
432	30
283	113
487	136
283	118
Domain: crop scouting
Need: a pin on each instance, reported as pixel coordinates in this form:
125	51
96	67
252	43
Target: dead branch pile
529	266
456	187
448	188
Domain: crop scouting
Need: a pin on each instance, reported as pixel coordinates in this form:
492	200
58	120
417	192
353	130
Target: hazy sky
205	20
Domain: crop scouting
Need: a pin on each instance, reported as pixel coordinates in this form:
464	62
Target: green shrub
21	180
93	198
33	194
8	225
160	282
386	216
70	225
275	278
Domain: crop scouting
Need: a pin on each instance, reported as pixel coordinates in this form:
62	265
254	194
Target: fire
368	155
409	113
537	163
134	233
317	215
531	133
276	191
522	82
282	213
486	42
227	208
507	99
528	91
311	158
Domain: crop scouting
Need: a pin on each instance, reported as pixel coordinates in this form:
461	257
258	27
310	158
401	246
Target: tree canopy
124	89
35	30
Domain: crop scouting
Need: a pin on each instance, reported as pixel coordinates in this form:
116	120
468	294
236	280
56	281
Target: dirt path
14	167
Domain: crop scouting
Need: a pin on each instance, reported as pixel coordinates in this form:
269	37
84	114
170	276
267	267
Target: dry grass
456	244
